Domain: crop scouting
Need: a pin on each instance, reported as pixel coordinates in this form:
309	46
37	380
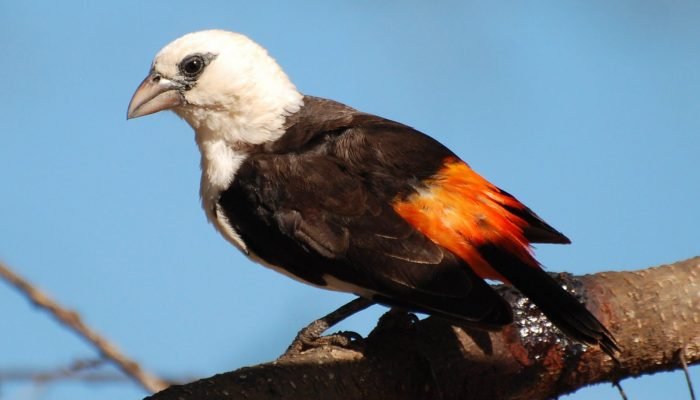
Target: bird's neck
225	139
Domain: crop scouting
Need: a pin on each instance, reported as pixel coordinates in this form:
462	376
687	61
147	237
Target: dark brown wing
310	215
393	156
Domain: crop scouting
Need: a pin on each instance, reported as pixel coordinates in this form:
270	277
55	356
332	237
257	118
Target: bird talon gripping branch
350	201
344	339
310	336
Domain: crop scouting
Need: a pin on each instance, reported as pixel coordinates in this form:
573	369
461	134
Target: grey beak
154	94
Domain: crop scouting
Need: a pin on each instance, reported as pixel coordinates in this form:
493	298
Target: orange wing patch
460	210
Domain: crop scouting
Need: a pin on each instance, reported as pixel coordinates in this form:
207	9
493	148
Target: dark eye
192	66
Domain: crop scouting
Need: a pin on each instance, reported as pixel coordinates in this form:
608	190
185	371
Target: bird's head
223	84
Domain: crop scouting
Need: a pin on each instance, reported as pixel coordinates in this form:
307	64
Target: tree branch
653	313
71	320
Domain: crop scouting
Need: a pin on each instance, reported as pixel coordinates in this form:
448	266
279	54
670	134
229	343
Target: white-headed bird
350	201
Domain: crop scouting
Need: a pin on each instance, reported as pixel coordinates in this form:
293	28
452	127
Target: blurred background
587	111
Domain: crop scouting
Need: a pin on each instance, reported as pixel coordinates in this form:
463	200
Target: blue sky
587	111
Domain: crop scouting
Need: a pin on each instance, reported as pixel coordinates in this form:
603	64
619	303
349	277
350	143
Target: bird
349	201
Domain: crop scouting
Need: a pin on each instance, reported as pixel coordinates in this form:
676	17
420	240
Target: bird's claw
310	337
307	340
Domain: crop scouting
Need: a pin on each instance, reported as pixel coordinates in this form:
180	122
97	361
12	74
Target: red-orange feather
460	210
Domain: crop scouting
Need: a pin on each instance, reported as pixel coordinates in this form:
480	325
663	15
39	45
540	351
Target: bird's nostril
156	79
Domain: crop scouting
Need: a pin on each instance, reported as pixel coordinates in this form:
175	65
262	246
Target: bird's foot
306	340
310	337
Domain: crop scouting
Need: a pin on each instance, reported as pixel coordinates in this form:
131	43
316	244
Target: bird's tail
560	306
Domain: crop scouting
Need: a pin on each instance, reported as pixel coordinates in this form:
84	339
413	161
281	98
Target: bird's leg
310	336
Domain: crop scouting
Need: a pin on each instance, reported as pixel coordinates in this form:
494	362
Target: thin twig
86	371
74	368
40	377
61	374
72	320
78	369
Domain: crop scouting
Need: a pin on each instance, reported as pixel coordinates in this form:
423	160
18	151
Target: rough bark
653	313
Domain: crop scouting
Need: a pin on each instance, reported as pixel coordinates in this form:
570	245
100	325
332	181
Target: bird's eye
192	66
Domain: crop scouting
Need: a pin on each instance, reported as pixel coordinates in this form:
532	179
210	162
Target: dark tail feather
560	306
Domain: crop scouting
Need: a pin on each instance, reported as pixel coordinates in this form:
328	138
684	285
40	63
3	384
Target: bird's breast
219	164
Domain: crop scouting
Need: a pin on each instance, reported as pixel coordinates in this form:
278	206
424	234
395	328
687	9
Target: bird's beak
154	94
